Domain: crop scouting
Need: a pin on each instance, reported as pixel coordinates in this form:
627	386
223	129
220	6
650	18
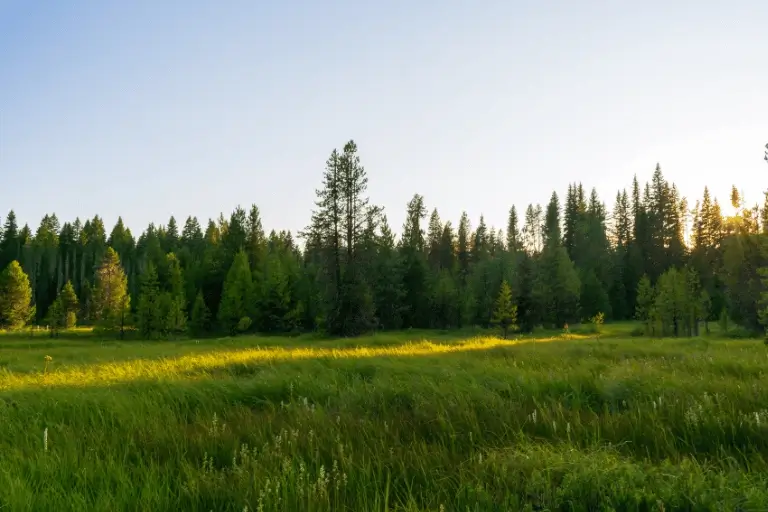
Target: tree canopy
653	255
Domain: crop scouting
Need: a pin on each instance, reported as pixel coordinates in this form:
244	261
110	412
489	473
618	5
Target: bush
243	324
595	325
637	331
741	333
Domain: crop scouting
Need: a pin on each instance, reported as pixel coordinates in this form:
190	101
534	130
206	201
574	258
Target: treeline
653	256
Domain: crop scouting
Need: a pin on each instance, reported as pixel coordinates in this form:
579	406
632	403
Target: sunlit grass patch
170	368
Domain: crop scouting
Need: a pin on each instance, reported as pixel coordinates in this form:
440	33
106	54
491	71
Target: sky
148	109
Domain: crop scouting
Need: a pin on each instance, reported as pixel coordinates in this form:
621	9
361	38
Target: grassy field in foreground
407	421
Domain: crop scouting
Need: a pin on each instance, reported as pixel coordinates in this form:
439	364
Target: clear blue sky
151	108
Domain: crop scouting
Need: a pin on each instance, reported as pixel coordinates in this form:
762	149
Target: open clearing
407	421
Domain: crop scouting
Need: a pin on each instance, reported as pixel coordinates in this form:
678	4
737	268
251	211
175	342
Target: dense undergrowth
408	421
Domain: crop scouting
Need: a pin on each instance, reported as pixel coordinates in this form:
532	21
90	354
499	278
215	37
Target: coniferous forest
671	262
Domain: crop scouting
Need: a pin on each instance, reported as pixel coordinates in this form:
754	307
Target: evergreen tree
171	236
69	305
111	302
444	302
514	238
236	297
462	246
54	318
201	316
279	309
556	289
149	314
434	238
645	299
175	314
594	298
10	246
15	297
389	292
415	267
505	313
528	313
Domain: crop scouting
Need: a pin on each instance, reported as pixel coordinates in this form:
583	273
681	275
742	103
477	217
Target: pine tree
462	246
54	318
671	309
201	316
594	298
237	293
10	247
645	300
111	302
528	312
444	301
480	243
388	287
171	236
279	309
256	246
15	297
505	313
514	239
149	314
69	305
434	234
175	311
414	266
447	248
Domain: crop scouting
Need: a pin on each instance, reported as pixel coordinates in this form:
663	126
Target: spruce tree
414	266
388	287
15	297
111	301
279	312
149	314
514	239
54	318
175	310
505	312
444	301
69	305
463	246
200	318
236	295
434	235
10	247
645	301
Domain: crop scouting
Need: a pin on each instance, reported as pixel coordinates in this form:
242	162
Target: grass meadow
409	421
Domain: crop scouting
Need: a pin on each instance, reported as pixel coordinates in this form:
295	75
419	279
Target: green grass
404	421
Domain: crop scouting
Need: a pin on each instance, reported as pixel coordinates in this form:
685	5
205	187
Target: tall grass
393	422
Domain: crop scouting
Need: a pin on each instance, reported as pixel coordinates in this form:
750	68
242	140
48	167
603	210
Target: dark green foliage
644	304
62	313
111	302
236	300
149	313
445	301
594	297
353	274
505	312
200	318
16	307
279	310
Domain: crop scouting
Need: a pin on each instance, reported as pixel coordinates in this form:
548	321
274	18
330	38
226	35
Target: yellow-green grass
402	421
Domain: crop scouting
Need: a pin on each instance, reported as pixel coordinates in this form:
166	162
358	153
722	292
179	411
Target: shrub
739	333
244	324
